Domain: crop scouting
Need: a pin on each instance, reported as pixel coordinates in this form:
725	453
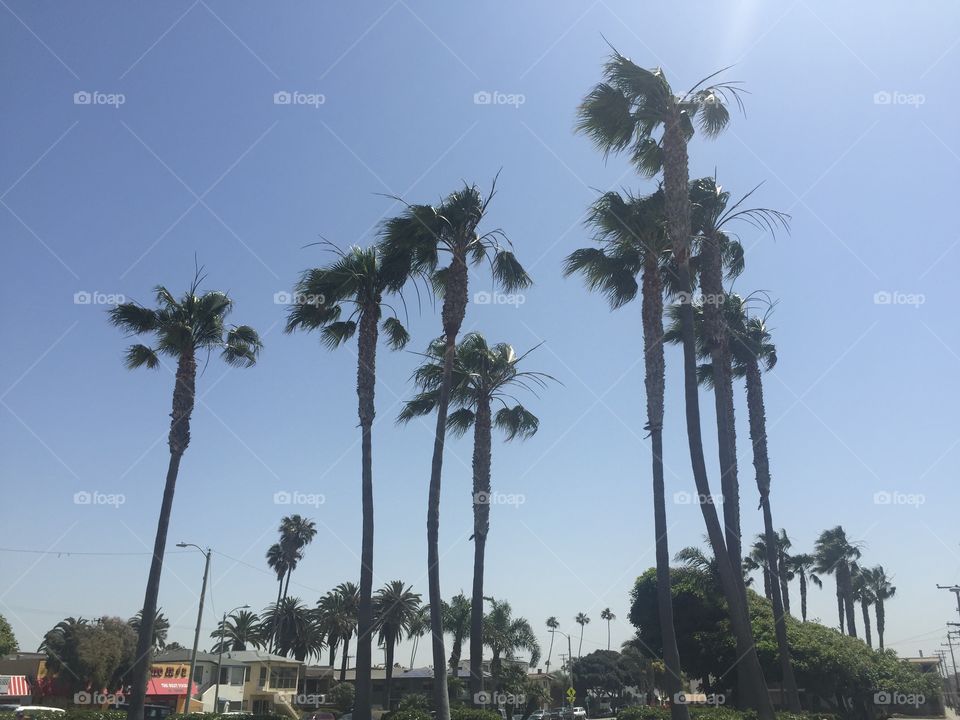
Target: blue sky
183	153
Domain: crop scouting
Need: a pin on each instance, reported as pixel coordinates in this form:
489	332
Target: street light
196	635
570	657
216	693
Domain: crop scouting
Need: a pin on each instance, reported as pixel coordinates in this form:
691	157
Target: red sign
167	686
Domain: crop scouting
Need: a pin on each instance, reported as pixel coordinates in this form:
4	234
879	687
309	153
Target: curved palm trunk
550	651
767	590
455	652
865	608
481	525
761	462
840	603
345	659
580	647
881	622
655	381
275	630
183	396
366	383
388	673
783	571
333	653
676	177
846	592
454	310
803	595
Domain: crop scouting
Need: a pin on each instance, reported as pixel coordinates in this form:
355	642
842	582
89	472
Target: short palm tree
355	282
552	624
863	593
834	555
418	627
241	629
581	619
338	611
456	621
415	240
607	614
182	329
785	573
484	380
505	635
299	632
395	606
161	626
632	237
802	567
626	112
881	590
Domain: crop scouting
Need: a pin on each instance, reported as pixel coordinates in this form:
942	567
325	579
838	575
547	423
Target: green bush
698	712
74	714
210	716
466	713
410	714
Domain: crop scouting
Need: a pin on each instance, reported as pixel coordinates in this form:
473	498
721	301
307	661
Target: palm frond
508	272
336	333
459	421
141	356
396	334
517	422
133	318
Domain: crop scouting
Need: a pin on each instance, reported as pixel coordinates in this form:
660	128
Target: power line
68	553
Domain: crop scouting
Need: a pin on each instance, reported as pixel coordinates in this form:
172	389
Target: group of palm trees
582	619
663	245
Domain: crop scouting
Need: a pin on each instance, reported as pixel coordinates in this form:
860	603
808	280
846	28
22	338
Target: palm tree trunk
389	674
333	653
654	381
286	586
413	650
783	571
345	659
881	622
865	608
366	383
274	630
608	635
550	651
183	397
677	198
481	525
580	647
455	652
843	571
803	594
761	462
767	590
454	309
840	603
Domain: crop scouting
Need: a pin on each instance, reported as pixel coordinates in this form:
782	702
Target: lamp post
196	635
570	661
223	622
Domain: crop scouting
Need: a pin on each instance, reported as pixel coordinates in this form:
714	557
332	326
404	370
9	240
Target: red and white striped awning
14	686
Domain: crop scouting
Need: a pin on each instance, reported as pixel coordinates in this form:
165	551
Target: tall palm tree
632	236
395	606
607	614
757	560
418	627
182	329
552	624
625	112
581	619
415	239
161	626
882	590
505	635
802	567
783	567
357	280
241	629
456	621
834	555
296	532
278	561
483	381
300	633
863	593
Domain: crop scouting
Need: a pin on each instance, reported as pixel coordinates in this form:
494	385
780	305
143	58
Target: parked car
579	713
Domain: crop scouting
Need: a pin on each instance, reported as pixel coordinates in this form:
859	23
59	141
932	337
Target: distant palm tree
882	590
484	379
416	238
161	626
338	611
552	624
395	607
300	633
802	566
757	560
834	555
241	629
418	627
607	615
456	621
505	635
182	329
296	532
276	561
863	593
356	281
582	621
783	567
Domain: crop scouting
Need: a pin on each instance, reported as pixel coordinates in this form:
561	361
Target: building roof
318	671
248	656
171	656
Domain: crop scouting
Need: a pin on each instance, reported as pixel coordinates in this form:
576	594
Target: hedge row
651	712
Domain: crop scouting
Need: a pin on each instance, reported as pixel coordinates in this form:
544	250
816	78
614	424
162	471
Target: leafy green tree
182	329
8	641
342	695
482	390
416	239
348	296
395	606
91	656
626	112
456	621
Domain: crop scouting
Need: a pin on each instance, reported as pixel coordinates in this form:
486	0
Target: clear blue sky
199	161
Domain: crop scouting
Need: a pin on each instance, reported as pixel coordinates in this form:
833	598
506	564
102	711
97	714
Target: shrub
466	713
410	714
342	696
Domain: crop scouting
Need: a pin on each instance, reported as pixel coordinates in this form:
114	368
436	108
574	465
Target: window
246	674
263	675
198	675
236	676
224	675
283	678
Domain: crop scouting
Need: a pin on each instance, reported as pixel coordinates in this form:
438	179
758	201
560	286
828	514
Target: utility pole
953	662
196	635
955	589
